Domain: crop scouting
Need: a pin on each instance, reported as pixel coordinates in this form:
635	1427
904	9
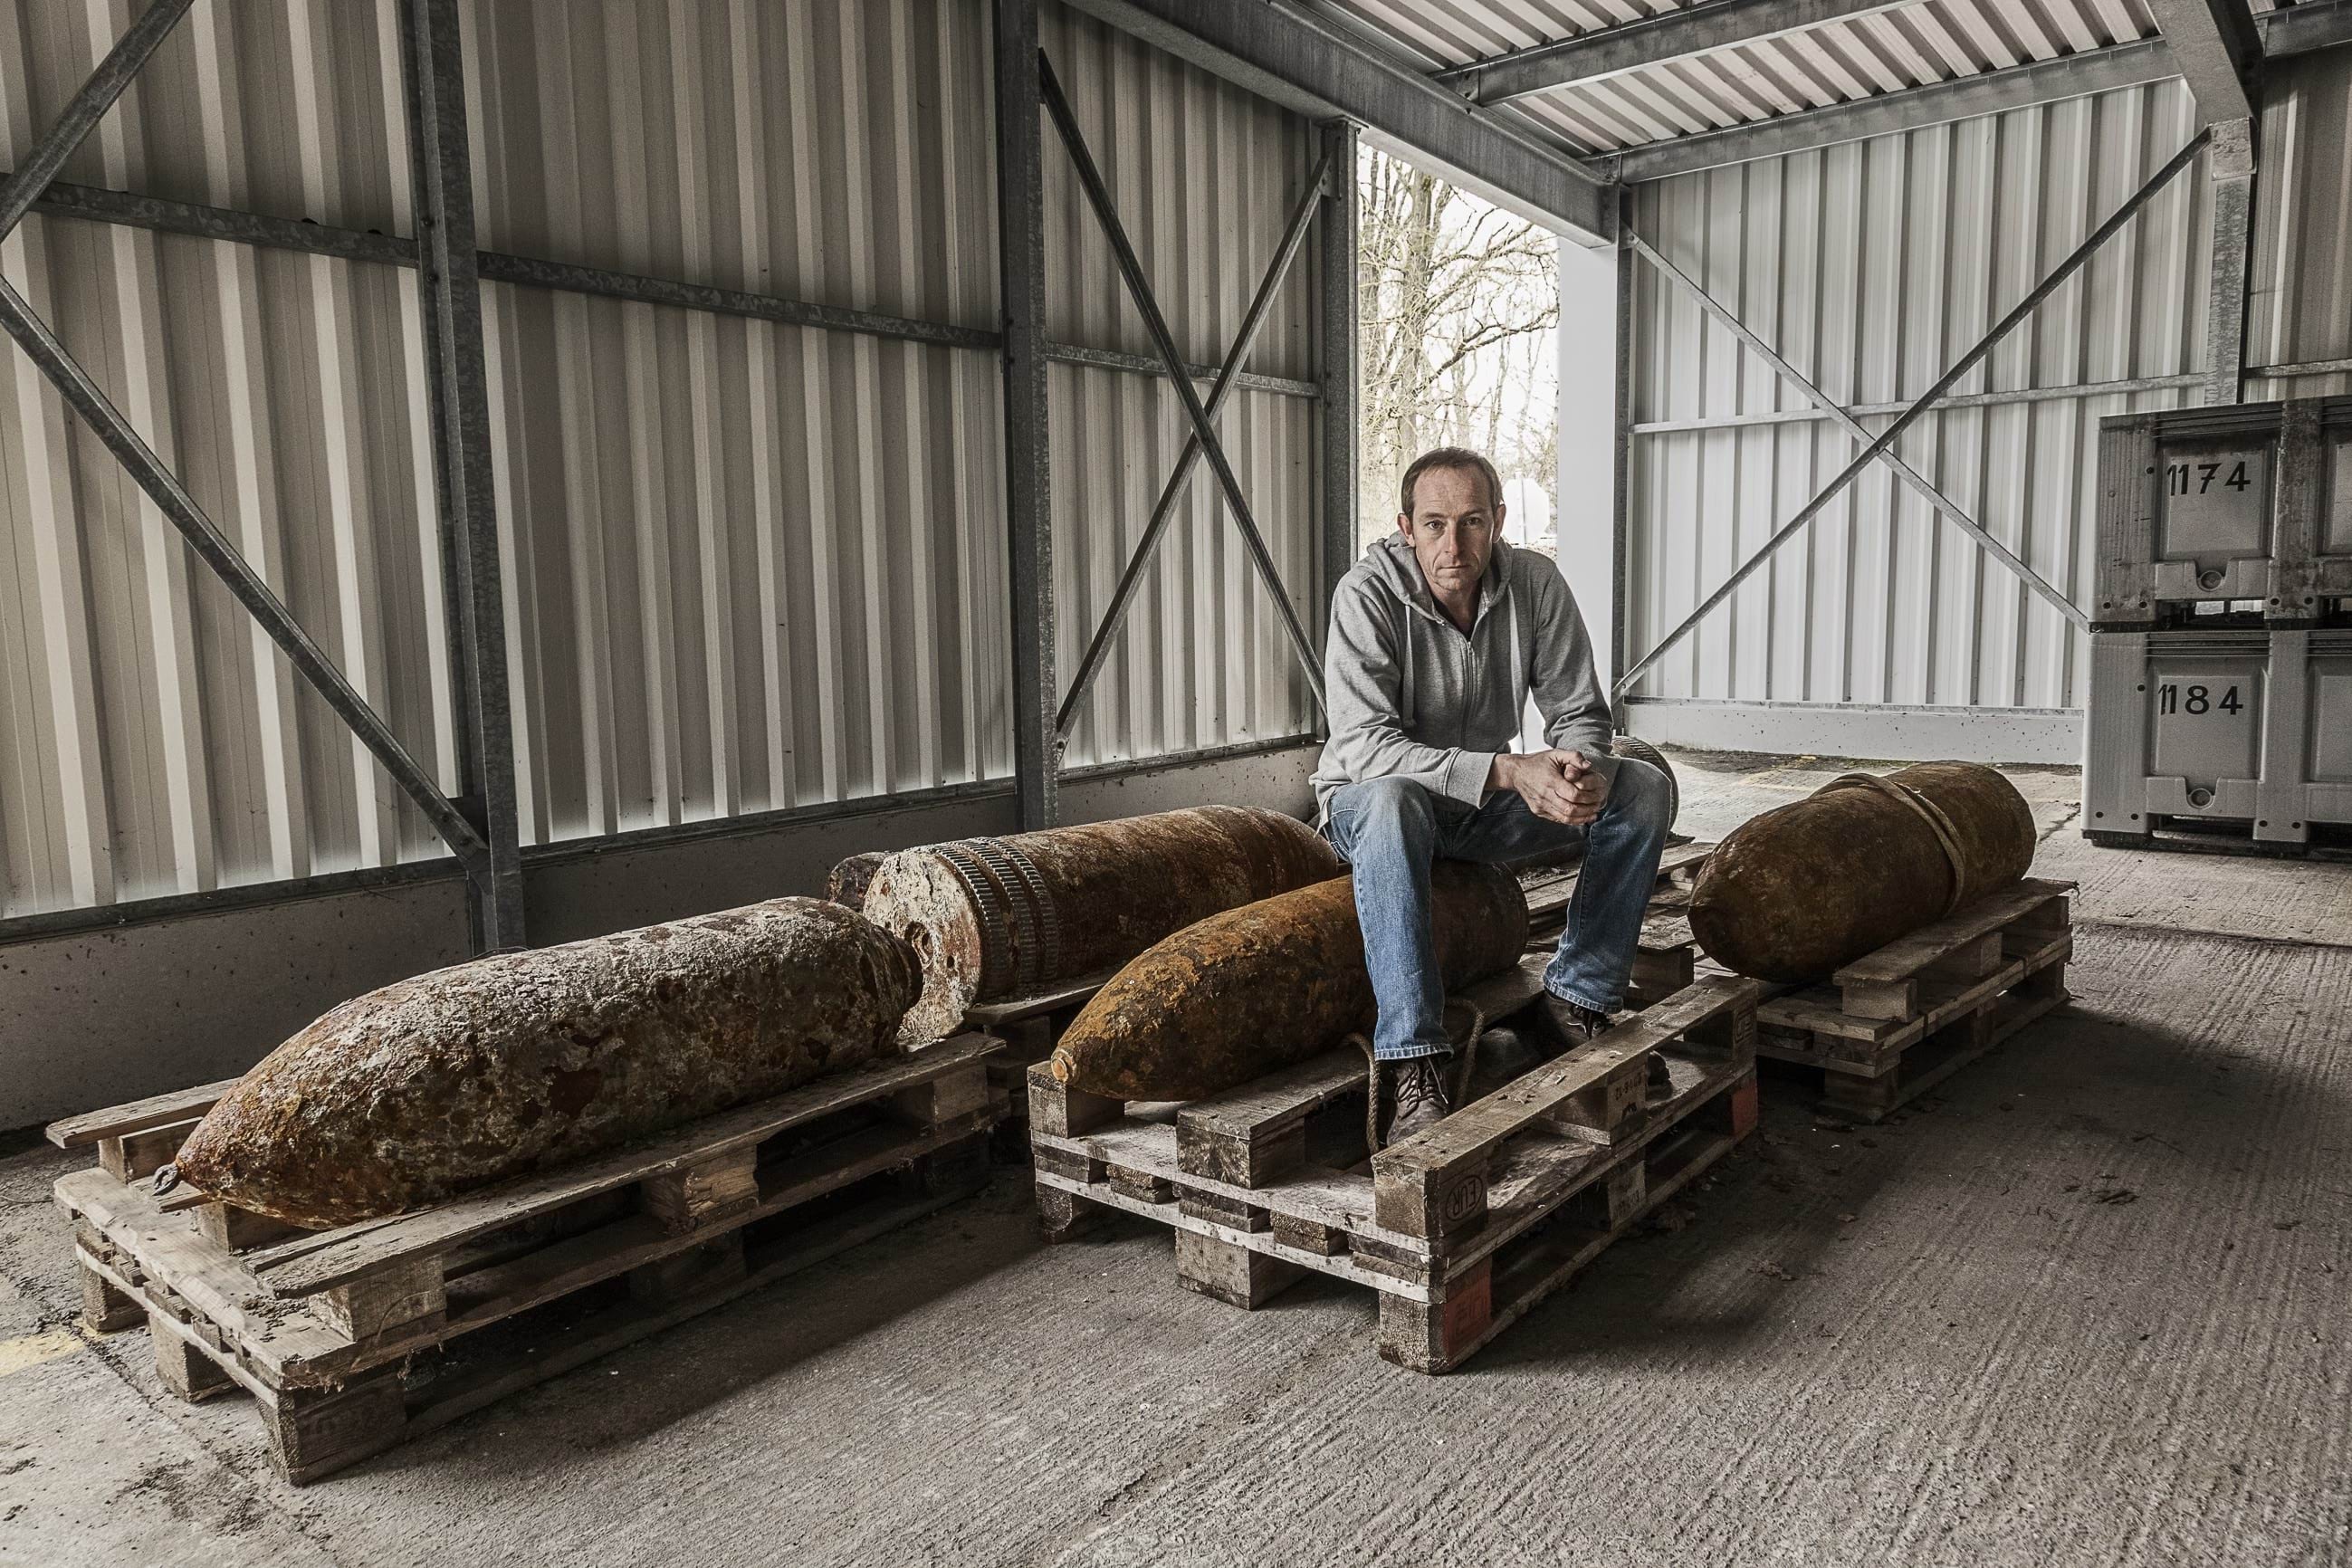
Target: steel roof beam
2217	50
1671	35
1275	50
2299	30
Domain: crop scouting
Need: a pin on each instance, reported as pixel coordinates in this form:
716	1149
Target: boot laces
1419	1079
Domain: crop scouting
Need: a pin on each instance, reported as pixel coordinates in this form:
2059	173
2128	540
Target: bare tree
1456	302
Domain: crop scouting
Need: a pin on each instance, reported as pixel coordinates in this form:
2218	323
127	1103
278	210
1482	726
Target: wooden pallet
1460	1229
353	1340
1892	1025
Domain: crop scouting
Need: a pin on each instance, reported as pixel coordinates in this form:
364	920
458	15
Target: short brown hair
1449	457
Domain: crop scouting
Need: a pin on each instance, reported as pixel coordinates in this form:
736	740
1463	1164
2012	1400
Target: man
1438	638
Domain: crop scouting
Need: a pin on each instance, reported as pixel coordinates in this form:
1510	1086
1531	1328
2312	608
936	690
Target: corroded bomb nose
451	1081
1243	993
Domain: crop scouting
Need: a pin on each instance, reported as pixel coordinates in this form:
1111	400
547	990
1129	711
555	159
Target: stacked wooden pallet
1029	1026
1460	1229
1902	1019
353	1340
1897	1022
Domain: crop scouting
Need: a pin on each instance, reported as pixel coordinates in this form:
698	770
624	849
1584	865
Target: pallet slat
1548	890
1897	1022
157	1110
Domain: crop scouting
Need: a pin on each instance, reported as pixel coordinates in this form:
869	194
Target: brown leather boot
1421	1090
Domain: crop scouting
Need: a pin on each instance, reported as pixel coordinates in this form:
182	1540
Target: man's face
1451	529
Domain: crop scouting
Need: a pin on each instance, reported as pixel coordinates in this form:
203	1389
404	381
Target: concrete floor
2087	1305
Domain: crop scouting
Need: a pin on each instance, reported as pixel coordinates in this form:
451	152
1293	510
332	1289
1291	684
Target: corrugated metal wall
2300	311
752	565
152	742
1871	267
749	565
1205	176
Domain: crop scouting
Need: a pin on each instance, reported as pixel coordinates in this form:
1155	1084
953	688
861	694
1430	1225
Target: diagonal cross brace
88	107
1163	511
213	547
1830	406
1147	304
19	319
1926	400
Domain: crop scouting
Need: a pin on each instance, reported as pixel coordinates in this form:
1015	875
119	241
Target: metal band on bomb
991	917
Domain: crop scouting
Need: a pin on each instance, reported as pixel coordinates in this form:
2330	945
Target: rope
1947	837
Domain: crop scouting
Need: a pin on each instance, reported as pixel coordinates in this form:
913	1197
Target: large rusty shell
524	1061
1795	893
992	917
1243	993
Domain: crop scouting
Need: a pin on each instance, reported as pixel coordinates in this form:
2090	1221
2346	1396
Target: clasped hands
1558	786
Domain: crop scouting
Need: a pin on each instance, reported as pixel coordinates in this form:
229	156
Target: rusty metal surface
1243	993
525	1061
1801	890
991	917
849	879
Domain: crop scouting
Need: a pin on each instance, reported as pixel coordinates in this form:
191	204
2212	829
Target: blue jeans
1391	829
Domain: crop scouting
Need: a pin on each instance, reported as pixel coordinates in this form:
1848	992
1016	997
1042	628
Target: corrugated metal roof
1836	62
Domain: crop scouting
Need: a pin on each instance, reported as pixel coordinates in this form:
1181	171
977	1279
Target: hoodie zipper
1469	685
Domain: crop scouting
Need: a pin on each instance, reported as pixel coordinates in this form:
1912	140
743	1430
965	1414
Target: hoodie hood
1397	569
1411	695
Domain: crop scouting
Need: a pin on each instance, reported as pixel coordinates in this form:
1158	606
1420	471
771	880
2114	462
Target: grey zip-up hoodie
1410	696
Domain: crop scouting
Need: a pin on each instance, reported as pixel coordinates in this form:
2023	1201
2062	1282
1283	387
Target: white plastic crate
2239	734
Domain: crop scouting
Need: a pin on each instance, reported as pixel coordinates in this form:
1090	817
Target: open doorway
1457	306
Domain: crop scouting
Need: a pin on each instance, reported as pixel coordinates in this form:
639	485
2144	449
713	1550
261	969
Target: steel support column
1620	469
2231	170
1147	305
449	283
1021	251
1336	347
1163	511
1886	438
